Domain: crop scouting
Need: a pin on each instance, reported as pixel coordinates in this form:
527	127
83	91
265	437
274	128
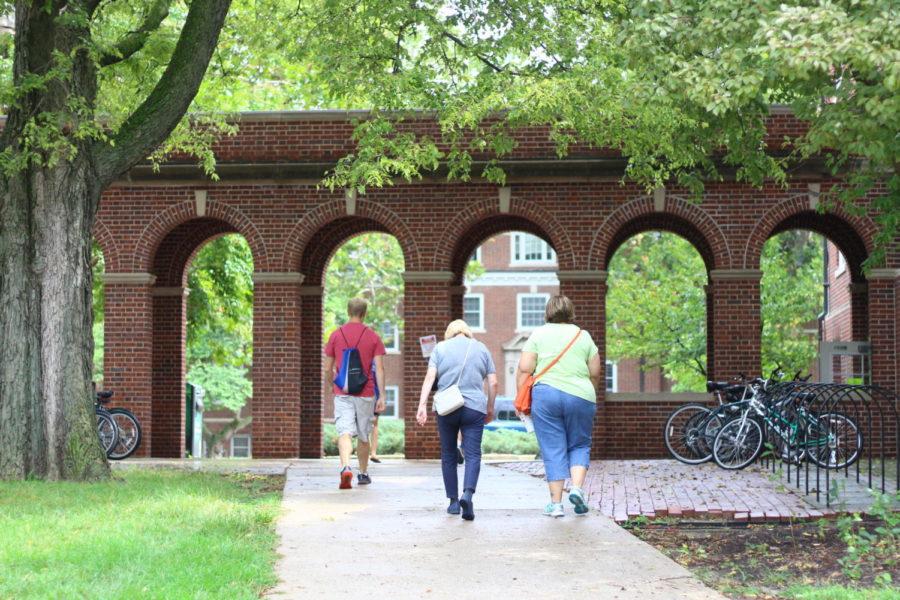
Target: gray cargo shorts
354	415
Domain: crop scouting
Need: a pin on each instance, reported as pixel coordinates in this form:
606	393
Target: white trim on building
514	279
477	324
534	314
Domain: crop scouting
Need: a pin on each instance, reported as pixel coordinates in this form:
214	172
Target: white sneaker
554	510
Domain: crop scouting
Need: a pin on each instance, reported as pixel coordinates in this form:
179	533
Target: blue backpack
351	377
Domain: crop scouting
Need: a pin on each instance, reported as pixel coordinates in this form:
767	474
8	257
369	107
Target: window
473	311
530	249
842	265
391	393
530	310
476	256
240	446
612	384
390	335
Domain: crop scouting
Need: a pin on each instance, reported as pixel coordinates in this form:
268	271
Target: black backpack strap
365	329
341	330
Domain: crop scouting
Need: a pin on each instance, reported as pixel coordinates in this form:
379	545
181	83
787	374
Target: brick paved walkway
623	489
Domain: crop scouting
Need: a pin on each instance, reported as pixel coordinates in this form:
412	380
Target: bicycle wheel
106	428
738	443
833	441
129	431
682	430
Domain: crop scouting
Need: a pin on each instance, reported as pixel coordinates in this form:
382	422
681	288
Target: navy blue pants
471	423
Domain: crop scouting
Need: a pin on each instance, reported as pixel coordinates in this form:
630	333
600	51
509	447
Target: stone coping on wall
649	398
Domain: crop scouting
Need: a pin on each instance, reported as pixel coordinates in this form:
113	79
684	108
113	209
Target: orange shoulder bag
523	395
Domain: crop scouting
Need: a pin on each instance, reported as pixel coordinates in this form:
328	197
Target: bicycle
106	425
690	429
831	440
128	433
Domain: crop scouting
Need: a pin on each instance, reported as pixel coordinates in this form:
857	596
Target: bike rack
872	408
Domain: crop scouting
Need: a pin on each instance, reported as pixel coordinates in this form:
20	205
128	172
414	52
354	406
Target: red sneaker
346	479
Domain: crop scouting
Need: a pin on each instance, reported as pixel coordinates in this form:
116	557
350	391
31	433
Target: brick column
587	290
884	327
277	365
736	330
312	405
710	325
128	344
859	311
169	326
426	311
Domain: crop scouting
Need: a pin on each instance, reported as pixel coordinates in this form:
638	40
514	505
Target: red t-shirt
369	346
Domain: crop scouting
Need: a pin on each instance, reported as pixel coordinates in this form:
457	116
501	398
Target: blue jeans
562	424
471	423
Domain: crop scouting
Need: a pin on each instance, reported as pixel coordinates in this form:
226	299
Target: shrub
391	441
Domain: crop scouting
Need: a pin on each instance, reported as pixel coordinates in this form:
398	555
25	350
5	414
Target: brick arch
328	239
853	235
679	216
331	218
108	245
470	227
166	221
176	251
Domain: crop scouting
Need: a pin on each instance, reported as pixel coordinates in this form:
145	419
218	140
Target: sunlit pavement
393	539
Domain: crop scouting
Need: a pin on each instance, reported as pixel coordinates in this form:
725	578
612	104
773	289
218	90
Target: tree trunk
47	424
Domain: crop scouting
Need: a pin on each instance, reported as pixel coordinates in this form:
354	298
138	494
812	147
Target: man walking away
354	402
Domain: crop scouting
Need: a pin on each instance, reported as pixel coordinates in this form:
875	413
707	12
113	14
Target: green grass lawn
148	534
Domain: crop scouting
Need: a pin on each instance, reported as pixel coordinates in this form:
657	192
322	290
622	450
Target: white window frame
243	436
517	242
519	298
396	391
480	298
395	348
476	256
841	266
615	377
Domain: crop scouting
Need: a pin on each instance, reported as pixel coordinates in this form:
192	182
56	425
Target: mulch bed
758	560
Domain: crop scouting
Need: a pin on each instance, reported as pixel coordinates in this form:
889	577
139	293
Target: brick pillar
859	311
277	365
312	405
736	331
169	325
587	290
884	327
128	344
426	311
710	325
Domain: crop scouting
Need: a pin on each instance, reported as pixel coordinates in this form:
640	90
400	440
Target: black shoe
377	461
453	509
460	459
468	508
363	479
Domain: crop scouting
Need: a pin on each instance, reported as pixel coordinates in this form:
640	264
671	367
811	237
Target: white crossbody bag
450	399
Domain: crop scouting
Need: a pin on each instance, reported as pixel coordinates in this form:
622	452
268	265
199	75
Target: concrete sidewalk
393	539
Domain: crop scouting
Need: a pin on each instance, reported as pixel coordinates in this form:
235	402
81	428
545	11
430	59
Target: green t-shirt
570	374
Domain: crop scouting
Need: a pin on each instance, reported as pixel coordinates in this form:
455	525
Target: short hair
357	307
457	327
559	310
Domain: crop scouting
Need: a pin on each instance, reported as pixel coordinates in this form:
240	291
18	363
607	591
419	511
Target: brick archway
107	242
678	216
853	235
483	219
166	221
331	220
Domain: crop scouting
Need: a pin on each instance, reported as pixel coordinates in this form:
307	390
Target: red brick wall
292	227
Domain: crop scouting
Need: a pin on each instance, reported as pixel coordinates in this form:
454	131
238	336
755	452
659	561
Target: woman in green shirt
563	401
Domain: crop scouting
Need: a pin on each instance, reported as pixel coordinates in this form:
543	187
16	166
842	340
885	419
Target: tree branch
133	41
152	122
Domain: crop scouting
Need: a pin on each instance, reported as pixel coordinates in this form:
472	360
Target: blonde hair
357	307
559	310
457	327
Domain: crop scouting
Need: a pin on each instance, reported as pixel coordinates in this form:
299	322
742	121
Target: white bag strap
469	347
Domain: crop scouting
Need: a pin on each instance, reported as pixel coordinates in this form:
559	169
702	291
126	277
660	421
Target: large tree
57	156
